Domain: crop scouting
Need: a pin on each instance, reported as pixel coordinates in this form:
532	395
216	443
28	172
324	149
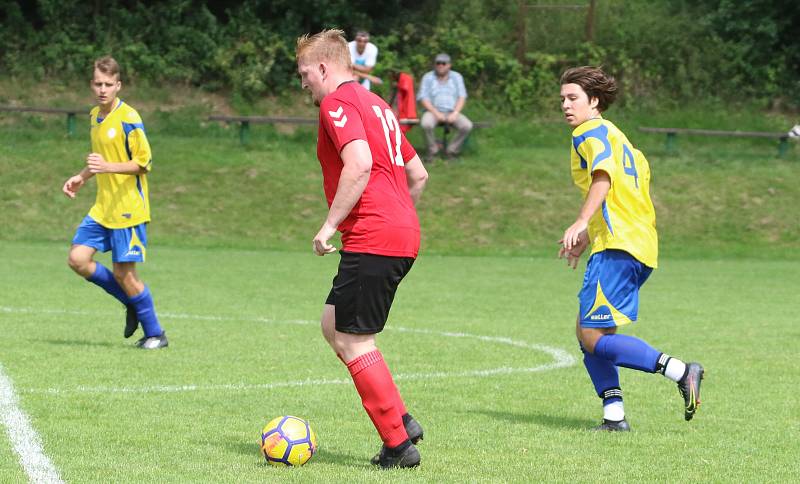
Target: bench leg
244	132
70	124
783	147
672	143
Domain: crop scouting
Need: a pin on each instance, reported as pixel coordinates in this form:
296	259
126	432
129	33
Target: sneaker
689	386
414	431
153	342
794	132
409	457
613	426
131	320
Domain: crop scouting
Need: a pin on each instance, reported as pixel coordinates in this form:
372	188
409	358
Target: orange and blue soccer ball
288	441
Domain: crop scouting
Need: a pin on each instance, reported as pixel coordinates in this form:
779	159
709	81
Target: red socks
379	396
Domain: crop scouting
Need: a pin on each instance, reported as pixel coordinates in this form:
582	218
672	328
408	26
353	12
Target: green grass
511	194
240	293
238	319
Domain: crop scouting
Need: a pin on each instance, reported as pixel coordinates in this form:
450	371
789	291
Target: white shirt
368	58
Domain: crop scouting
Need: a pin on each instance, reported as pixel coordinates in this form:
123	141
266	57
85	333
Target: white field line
560	358
23	437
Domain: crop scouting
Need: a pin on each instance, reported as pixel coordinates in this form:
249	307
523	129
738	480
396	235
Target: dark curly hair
594	82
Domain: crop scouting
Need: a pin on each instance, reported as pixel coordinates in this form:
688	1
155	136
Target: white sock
675	369
614	411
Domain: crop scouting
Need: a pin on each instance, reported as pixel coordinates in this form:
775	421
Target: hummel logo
338	114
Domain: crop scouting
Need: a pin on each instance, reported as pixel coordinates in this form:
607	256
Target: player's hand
72	185
97	164
574	254
440	117
573	233
320	243
451	118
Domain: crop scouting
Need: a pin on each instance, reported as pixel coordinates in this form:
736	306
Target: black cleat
153	342
131	320
689	386
414	431
408	457
613	426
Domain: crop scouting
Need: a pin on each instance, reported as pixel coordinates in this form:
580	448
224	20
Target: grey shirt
442	94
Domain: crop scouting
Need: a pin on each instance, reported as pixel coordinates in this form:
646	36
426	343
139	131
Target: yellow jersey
627	219
122	200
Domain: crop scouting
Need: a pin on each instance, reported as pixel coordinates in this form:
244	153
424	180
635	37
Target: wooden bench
448	128
69	112
672	135
246	121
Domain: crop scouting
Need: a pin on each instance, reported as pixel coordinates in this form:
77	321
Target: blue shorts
126	245
610	293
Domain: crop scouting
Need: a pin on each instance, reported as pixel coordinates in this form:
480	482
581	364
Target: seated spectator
364	55
443	95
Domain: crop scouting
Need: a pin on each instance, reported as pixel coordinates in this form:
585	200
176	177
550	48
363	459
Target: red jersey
384	220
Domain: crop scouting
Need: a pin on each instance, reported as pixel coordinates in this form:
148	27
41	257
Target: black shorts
363	290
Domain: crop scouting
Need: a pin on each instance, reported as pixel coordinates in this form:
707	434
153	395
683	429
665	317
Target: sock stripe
612	393
364	361
661	365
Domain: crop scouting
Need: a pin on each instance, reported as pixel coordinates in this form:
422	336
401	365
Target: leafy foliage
511	56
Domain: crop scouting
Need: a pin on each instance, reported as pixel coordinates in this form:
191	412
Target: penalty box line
24	440
560	358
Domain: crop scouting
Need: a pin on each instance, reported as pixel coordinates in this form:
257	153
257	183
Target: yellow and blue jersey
627	219
122	200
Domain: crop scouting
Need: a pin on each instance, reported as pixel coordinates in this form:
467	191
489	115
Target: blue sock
105	279
146	312
627	351
604	375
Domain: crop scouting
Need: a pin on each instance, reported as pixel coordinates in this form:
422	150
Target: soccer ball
288	441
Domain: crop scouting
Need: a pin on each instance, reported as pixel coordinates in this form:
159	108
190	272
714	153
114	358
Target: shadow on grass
326	456
556	421
79	342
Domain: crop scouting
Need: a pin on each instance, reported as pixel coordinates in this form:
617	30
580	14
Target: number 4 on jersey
390	124
628	165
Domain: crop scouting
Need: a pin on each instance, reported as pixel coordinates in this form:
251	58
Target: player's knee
78	263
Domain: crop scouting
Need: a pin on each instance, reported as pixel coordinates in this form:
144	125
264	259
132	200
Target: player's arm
74	183
139	149
417	177
601	184
357	159
95	163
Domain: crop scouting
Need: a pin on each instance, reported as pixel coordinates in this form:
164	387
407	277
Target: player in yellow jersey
618	220
120	161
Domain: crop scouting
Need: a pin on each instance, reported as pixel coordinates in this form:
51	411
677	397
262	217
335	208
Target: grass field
481	336
482	347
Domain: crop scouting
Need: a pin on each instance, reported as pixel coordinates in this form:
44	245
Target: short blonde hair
328	45
107	65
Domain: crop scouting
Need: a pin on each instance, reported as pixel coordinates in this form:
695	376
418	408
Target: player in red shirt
372	178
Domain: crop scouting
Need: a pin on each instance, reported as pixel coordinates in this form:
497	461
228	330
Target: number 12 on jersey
390	124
